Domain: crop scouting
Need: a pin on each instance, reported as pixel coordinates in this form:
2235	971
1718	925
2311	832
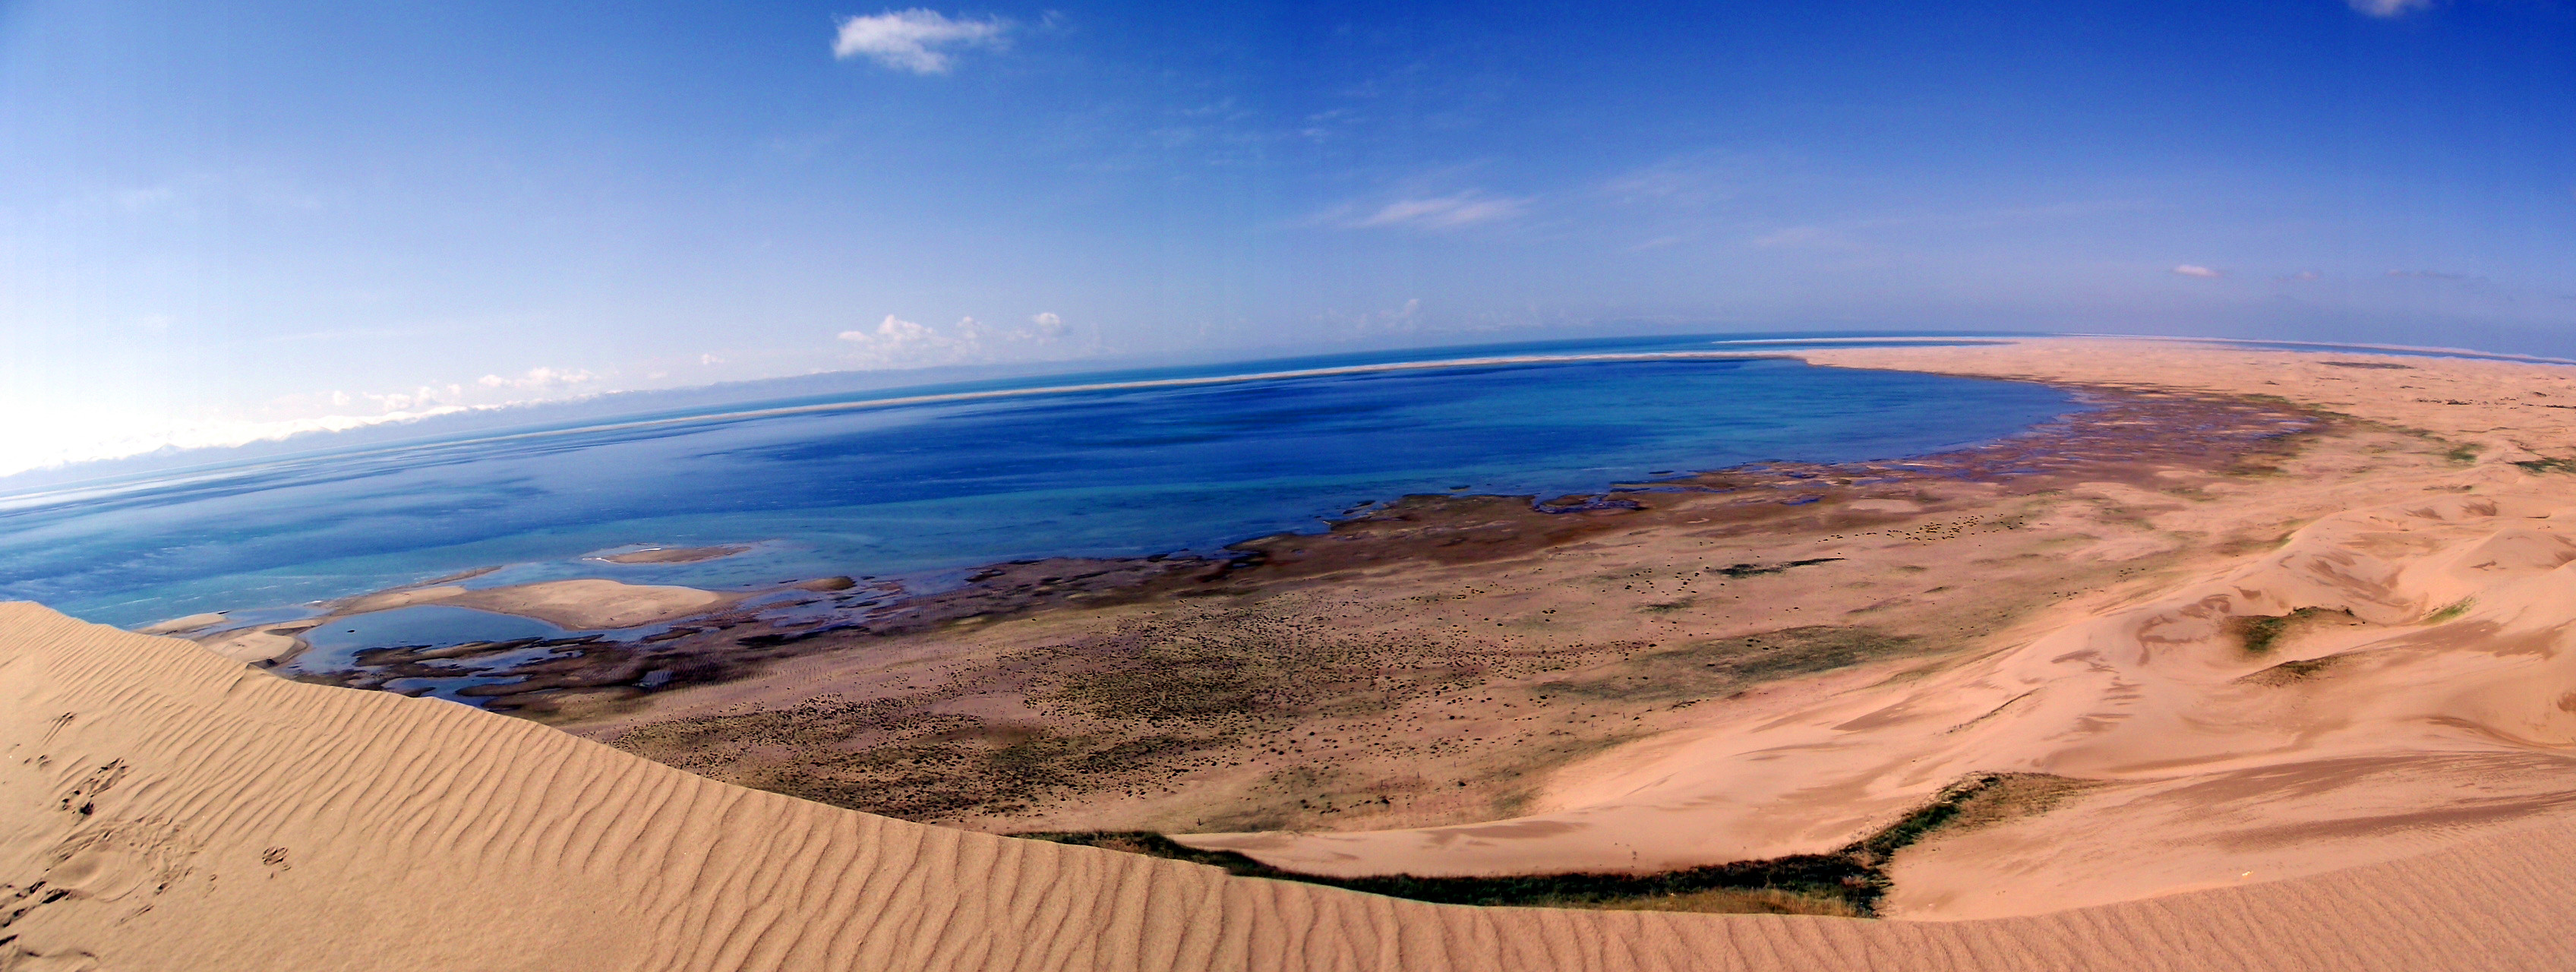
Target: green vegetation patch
2261	633
1849	881
2537	466
1801	884
2452	612
1121	711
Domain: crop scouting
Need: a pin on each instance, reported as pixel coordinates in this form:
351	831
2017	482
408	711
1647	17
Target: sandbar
674	555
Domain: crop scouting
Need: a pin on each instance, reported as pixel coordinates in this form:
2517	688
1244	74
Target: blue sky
220	221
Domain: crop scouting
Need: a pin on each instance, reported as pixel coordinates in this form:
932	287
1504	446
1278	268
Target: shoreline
1430	528
2194	641
1469	699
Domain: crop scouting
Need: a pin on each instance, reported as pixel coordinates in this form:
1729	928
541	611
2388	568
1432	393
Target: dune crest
166	809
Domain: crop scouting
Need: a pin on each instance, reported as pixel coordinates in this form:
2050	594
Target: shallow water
334	646
1170	461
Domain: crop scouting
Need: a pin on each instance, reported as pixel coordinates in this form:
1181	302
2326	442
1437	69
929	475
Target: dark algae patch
1756	570
1123	710
1832	884
1848	882
2286	673
2261	633
1713	667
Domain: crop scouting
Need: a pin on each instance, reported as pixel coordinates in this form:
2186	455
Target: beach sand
167	809
2377	779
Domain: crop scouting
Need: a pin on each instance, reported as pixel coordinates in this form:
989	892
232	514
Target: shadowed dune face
164	809
2161	701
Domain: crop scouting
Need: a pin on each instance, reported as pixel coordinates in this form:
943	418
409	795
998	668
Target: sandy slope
2393	787
162	808
2409	734
2396	730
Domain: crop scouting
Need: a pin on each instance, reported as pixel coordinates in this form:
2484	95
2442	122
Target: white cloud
423	397
541	379
2191	270
893	331
898	343
911	40
1442	212
2389	8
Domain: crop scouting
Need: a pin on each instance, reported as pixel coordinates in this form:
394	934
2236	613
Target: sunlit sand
2282	687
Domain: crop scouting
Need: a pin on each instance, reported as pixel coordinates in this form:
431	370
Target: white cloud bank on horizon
39	446
2389	8
911	40
898	343
542	378
47	439
2194	270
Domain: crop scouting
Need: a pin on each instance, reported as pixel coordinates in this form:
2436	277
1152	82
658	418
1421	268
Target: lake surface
924	483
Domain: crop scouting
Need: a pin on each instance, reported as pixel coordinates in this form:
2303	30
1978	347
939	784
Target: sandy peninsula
2258	662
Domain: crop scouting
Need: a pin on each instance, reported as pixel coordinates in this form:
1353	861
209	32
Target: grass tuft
2261	633
2456	609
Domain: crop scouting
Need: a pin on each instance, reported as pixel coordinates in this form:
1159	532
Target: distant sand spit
163	808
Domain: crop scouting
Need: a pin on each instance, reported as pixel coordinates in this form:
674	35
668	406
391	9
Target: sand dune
166	809
2347	749
2418	690
2374	730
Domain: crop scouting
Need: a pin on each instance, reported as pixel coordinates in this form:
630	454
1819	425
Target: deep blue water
915	490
